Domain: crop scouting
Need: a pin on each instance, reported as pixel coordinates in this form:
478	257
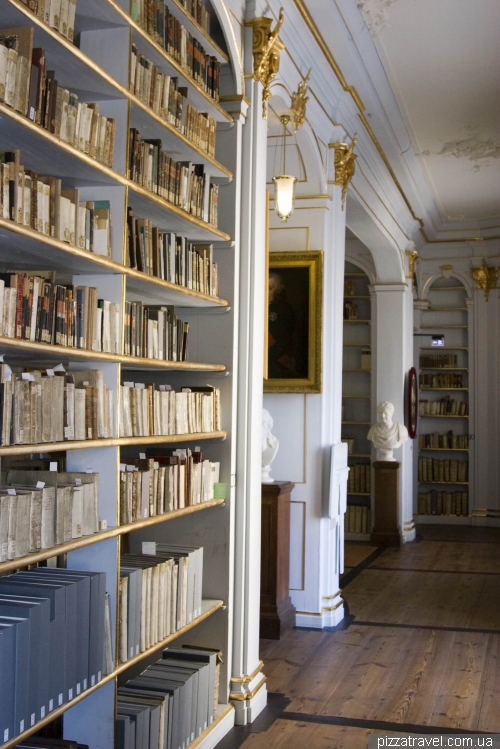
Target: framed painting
294	322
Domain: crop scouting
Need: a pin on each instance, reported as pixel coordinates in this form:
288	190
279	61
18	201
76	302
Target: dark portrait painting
294	322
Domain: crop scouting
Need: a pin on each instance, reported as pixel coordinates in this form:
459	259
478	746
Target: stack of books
160	592
449	439
443	503
163	95
438	361
54	406
52	630
39	509
357	519
165	29
31	89
155	332
147	411
164	483
359	481
172	702
42	204
451	471
443	407
58	14
447	380
181	183
35	308
170	257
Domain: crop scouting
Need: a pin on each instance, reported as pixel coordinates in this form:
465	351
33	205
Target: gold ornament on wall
485	278
344	165
299	102
266	49
412	256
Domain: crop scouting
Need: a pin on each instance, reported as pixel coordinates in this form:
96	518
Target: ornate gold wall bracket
299	102
344	165
266	49
485	278
412	256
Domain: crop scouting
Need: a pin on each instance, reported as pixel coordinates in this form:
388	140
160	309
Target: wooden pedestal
385	528
277	614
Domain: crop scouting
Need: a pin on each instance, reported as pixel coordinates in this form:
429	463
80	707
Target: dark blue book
22	637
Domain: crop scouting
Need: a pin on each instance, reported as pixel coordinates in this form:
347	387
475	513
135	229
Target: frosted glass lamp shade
283	195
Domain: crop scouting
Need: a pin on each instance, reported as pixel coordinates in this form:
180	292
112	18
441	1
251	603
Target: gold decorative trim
484	512
333	608
217	719
486	278
331	598
299	102
236	97
250	677
266	47
307	613
237	697
344	163
47	447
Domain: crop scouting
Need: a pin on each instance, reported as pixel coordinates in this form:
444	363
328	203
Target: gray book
8	671
82	619
70	640
134	609
203	670
97	611
173	739
22	653
37	610
188	674
185	699
203	656
140	716
154	715
56	644
125	732
152	698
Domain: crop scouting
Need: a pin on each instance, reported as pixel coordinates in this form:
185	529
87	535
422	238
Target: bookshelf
443	461
97	68
356	401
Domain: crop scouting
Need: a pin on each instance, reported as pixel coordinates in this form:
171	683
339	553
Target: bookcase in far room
356	401
443	469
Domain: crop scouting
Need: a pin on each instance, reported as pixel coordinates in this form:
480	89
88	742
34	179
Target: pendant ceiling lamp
283	183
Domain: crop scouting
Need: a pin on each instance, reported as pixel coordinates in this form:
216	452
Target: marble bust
387	434
270	445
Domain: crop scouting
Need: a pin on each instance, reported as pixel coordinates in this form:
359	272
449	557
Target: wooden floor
419	650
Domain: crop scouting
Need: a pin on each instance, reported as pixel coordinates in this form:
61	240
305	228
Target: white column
392	357
248	691
335	470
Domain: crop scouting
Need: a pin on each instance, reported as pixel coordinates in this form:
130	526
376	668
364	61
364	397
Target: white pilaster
248	692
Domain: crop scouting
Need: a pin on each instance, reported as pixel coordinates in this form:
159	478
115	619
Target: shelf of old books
356	401
443	468
117	352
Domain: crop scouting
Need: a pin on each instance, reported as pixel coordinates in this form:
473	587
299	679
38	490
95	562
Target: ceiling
442	59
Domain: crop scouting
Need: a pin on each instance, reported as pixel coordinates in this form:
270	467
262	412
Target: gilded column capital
266	48
485	278
412	256
344	164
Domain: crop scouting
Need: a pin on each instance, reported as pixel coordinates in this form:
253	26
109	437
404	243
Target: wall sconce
283	183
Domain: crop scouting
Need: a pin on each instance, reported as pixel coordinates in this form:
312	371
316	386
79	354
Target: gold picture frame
294	327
